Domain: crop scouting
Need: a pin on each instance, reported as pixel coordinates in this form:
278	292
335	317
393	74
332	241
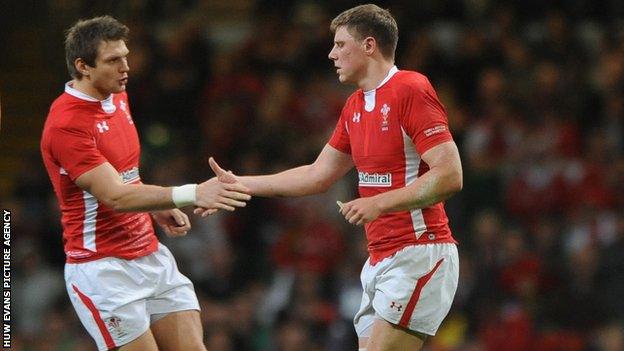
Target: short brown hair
370	21
84	37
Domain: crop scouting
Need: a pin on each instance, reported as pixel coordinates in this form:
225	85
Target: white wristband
184	195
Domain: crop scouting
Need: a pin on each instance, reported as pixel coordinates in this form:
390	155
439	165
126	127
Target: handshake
223	192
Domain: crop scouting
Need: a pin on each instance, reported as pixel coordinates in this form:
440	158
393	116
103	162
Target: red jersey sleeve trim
432	142
347	151
340	137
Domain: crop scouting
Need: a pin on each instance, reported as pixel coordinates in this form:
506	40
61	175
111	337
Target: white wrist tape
184	195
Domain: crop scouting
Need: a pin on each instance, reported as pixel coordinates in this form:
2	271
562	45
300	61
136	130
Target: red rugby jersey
81	133
386	130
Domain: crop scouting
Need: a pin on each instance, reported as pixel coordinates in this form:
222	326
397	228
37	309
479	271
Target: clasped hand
223	192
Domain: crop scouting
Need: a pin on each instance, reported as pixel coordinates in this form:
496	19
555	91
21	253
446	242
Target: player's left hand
360	211
174	222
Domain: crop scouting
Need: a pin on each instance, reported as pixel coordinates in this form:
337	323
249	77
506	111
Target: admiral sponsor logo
130	175
375	179
356	117
434	130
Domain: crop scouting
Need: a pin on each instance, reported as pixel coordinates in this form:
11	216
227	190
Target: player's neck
84	86
375	73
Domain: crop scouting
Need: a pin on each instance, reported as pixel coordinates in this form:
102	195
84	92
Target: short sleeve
75	151
340	138
424	118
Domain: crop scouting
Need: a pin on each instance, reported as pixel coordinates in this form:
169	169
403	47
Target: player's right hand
214	195
222	174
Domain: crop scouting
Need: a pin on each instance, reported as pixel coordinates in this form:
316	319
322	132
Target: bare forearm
140	197
298	181
314	178
429	189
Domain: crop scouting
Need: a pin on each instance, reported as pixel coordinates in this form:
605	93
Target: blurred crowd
535	98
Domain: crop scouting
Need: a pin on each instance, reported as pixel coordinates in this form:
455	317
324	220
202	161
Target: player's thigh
362	343
109	299
173	291
416	290
145	342
386	336
179	331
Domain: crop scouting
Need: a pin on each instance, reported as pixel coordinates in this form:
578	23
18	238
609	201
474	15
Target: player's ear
82	66
370	45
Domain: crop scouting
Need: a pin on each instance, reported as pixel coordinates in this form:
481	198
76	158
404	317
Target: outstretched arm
314	178
443	179
104	183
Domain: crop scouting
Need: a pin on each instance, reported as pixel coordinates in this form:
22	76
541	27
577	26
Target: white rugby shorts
414	288
117	300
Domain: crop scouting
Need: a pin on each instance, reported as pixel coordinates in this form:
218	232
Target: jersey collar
107	104
369	95
391	73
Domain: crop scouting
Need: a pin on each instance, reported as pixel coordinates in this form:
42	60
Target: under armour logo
398	306
102	126
356	117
